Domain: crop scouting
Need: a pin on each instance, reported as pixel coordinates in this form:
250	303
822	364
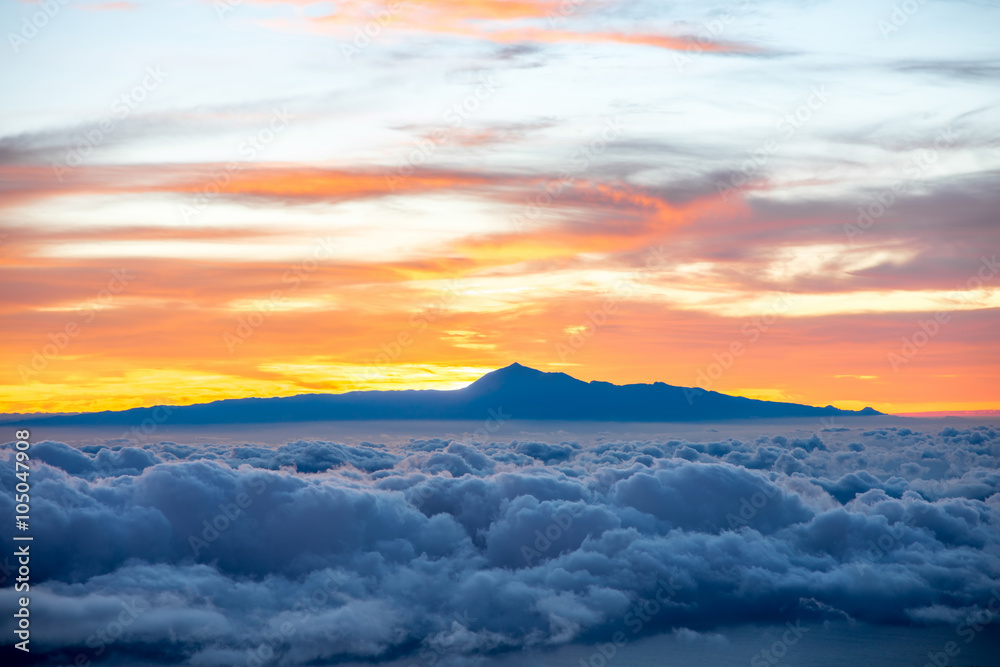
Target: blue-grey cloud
315	551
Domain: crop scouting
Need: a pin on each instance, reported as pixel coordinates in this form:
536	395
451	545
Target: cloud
319	551
954	69
510	22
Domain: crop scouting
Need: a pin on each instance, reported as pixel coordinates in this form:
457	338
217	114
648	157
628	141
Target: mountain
514	392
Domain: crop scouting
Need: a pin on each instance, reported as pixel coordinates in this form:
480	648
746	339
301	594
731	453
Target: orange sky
618	300
623	195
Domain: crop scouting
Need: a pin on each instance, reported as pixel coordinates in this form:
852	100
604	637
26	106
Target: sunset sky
790	201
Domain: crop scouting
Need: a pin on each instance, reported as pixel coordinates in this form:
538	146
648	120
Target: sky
783	200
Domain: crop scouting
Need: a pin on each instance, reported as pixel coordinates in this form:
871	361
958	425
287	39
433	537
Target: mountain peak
516	368
515	372
518	377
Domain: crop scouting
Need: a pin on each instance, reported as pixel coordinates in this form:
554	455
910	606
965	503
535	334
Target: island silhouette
512	392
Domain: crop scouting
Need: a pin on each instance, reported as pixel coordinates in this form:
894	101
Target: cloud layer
314	550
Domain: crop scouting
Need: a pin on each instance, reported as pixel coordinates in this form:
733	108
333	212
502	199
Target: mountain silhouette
514	392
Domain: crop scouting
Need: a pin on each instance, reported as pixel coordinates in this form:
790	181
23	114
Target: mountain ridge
519	391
